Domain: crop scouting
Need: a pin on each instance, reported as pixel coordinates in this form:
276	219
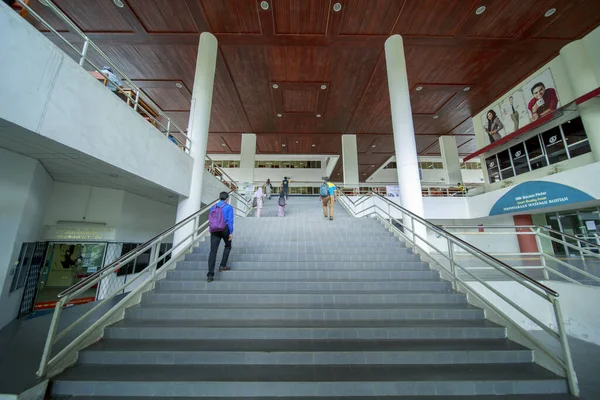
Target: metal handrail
199	229
565	363
83	53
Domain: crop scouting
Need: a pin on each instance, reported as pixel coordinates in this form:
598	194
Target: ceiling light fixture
323	86
179	85
467	89
264	5
314	145
480	10
419	88
550	12
318	115
436	116
275	86
223	144
297	142
373	145
278	115
337	7
119	3
282	144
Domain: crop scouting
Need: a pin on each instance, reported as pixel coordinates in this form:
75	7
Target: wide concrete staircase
312	309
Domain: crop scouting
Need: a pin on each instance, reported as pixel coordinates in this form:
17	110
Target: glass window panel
574	131
534	147
507	173
579	148
537	163
504	159
554	145
492	167
519	158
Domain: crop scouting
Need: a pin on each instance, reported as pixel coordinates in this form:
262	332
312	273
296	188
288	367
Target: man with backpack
327	193
220	226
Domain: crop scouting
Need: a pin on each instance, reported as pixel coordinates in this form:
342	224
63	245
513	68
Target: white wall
24	187
134	218
58	99
299	175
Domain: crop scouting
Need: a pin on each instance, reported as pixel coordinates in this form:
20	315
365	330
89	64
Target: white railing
415	231
65	339
133	95
586	252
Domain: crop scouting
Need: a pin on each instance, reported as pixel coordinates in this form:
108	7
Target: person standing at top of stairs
259	196
220	225
285	186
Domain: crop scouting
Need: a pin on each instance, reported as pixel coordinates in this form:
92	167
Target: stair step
305	298
166	312
237	255
305	329
290	275
328	380
482	397
327	250
304	352
267	286
410	262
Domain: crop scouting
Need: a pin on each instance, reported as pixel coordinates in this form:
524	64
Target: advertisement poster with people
537	98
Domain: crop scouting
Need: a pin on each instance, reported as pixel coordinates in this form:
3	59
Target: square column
350	161
450	159
247	157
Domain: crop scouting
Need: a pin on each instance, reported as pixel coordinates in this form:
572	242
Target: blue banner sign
537	194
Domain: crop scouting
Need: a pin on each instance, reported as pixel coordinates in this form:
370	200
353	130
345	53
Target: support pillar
527	243
350	161
583	77
450	159
247	157
404	131
198	127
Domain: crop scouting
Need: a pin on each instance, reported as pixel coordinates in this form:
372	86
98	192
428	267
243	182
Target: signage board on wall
533	195
78	233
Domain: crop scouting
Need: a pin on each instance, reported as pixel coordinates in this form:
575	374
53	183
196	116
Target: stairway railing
65	339
587	252
414	229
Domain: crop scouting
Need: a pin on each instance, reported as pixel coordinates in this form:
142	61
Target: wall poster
537	98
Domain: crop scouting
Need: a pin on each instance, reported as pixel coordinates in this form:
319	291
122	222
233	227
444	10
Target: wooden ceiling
331	63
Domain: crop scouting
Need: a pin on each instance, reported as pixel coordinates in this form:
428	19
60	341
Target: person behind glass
259	196
494	126
268	189
112	81
544	101
215	238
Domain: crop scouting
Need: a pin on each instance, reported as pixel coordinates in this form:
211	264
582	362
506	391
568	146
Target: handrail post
43	369
154	256
541	252
84	51
137	100
564	341
452	266
195	228
414	237
168	127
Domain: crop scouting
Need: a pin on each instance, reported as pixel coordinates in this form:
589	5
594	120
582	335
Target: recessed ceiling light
364	173
282	144
318	115
118	3
480	10
279	115
337	7
264	5
436	116
419	88
374	145
467	89
314	145
297	142
323	86
223	144
372	165
179	85
275	86
550	12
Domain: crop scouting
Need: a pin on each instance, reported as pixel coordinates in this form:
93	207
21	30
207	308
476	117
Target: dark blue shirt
227	214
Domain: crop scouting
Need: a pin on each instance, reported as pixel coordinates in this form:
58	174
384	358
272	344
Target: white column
404	131
583	77
247	156
198	126
450	159
350	161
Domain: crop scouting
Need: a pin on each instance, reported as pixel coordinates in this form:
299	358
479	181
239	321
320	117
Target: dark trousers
285	192
215	240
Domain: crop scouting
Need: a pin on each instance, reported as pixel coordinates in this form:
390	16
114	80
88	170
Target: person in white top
259	196
114	81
